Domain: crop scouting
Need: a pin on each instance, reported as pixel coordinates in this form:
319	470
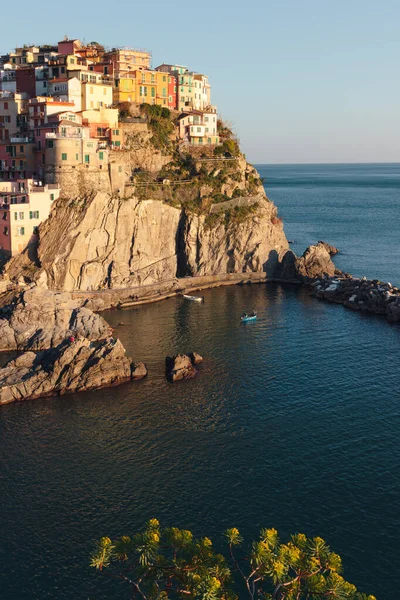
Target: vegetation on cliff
160	563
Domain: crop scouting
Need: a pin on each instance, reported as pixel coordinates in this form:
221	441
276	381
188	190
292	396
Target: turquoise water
292	423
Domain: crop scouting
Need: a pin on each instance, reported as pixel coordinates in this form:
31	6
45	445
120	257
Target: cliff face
114	242
187	212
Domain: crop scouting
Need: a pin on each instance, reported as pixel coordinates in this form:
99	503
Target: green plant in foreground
168	563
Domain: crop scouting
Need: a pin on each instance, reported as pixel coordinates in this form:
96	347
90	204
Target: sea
293	421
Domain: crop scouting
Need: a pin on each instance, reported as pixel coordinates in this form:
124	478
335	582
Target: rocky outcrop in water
182	366
360	294
314	263
37	319
71	367
331	249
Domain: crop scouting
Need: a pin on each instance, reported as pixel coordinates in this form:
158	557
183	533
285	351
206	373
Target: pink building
67	46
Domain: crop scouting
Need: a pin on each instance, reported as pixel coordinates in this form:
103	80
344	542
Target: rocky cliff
198	215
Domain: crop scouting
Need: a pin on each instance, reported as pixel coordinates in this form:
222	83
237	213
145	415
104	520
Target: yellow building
162	88
125	89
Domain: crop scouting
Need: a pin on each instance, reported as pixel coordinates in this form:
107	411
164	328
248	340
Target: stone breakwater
367	295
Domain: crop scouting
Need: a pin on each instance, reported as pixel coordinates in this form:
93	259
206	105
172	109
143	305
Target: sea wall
366	295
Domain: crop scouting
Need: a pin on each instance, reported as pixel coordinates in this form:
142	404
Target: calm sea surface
293	422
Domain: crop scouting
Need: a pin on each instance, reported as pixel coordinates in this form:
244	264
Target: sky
305	81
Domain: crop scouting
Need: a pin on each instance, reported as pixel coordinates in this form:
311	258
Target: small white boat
194	298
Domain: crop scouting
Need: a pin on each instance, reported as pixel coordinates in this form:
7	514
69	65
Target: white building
24	204
199	127
67	90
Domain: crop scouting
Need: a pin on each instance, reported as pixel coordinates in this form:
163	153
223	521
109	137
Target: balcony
63	136
20	140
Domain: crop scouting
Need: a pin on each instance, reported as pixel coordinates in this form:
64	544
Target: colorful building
23	206
126	60
199	128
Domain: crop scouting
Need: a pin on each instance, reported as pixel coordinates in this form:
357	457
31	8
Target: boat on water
245	317
194	298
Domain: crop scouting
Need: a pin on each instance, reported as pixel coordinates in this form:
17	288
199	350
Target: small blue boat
245	318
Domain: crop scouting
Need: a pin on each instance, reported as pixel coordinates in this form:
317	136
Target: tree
169	563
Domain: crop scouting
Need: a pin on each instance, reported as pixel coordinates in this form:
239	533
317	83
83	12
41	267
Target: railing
61	136
20	140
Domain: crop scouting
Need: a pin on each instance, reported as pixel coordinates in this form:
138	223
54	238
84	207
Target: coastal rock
101	241
331	249
71	367
253	244
360	294
38	318
182	366
315	262
139	370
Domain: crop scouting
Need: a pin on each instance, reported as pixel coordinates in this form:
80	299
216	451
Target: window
101	155
33	214
164	92
87	159
64	156
5	231
50	144
76	158
7	119
21	216
23	199
153	92
153	78
15	215
5	216
200	140
20	230
35	230
51	196
198	129
164	78
117	143
208	140
115	131
206	119
170	99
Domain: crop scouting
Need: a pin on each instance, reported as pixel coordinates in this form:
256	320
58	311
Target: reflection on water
292	422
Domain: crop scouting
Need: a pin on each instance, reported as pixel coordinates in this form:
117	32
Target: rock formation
360	294
71	367
182	366
38	319
331	249
153	234
314	263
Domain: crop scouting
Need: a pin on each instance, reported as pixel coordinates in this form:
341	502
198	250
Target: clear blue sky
301	81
